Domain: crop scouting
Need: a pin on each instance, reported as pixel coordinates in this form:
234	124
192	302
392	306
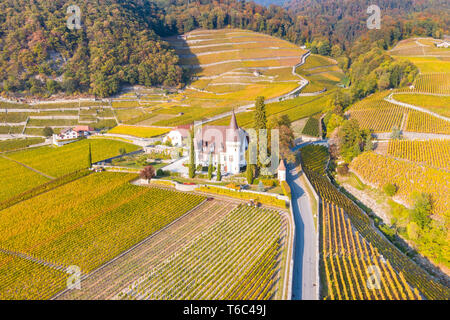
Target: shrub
269	182
342	170
422	209
286	189
390	189
48	132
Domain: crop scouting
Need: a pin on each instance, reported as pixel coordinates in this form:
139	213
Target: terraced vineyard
436	83
32	119
379	170
349	259
295	109
229	68
14	144
85	223
434	153
381	119
322	72
381	116
413	275
436	104
423	122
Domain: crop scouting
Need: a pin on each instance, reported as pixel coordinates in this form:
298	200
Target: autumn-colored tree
148	173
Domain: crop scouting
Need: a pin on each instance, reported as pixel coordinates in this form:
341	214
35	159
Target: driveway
177	166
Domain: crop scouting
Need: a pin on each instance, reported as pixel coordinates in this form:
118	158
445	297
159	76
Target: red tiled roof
282	166
83	128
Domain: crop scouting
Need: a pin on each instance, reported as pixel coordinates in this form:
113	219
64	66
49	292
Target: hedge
269	200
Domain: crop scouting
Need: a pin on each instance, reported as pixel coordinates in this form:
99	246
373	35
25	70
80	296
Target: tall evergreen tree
219	171
192	157
210	167
260	123
90	156
260	114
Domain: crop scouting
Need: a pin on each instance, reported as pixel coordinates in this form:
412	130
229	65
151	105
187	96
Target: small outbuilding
282	171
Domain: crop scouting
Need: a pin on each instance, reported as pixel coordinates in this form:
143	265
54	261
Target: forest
121	41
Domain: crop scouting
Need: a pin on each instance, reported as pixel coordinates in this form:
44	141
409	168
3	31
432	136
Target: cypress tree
260	122
192	158
210	167
250	174
219	172
260	114
90	156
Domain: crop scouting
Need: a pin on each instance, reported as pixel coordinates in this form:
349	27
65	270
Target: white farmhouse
72	134
66	136
444	44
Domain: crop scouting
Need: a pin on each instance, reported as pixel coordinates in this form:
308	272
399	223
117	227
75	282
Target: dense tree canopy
120	40
117	44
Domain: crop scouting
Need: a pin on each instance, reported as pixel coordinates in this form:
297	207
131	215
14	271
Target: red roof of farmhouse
83	128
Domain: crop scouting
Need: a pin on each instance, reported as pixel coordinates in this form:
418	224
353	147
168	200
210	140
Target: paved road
304	286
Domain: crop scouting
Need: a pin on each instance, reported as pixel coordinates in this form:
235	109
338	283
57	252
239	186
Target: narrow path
304	282
391	99
28	167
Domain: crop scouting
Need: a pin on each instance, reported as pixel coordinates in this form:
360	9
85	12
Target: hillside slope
116	44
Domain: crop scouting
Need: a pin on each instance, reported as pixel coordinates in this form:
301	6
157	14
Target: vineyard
423	122
15	144
312	127
381	119
434	153
58	161
413	275
22	279
436	83
58	116
16	179
142	132
76	223
379	170
349	260
436	104
237	258
382	116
